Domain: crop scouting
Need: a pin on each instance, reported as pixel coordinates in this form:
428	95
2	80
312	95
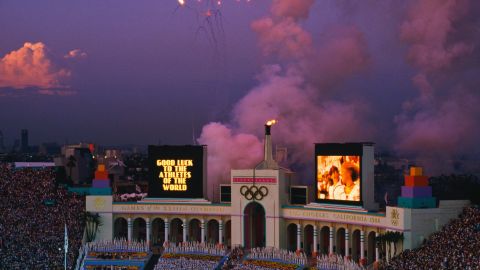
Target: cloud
295	9
343	53
430	28
292	91
284	38
228	150
303	118
76	53
281	34
442	121
450	126
30	66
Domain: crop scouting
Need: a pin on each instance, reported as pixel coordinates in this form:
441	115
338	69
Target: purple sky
149	75
146	71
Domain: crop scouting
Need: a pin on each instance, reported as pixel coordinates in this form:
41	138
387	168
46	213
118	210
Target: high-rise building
24	138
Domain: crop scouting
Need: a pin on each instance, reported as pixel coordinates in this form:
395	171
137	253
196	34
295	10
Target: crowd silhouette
33	214
456	246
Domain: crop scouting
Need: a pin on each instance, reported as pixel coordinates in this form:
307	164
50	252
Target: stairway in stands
152	262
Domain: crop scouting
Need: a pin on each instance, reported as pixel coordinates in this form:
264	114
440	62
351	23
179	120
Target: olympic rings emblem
254	192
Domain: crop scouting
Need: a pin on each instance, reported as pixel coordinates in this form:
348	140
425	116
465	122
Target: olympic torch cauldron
268	161
254	192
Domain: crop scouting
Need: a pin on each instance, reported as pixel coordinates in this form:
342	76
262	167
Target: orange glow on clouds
30	66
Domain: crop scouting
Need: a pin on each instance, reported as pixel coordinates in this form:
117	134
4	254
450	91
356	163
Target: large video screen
176	171
338	173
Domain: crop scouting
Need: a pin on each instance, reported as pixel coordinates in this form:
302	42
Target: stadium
263	219
261	208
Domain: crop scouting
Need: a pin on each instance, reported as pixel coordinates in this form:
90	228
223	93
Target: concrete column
185	229
377	255
315	236
362	246
330	241
299	235
130	228
347	240
220	232
149	230
202	231
167	230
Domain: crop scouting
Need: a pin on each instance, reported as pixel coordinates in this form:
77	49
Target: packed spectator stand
195	247
119	245
33	214
267	258
283	255
456	246
116	254
34	211
185	263
192	255
334	262
234	258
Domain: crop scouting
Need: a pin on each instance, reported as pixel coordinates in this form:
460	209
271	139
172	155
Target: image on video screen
338	178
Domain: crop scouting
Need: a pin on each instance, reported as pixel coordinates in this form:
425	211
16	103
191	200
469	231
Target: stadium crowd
270	253
117	245
456	246
33	213
265	259
191	255
333	262
185	263
234	258
195	247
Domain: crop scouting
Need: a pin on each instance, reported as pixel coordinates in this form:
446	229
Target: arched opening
139	229
356	246
292	237
212	231
254	225
340	243
228	234
325	240
176	231
120	228
194	230
308	240
371	247
158	231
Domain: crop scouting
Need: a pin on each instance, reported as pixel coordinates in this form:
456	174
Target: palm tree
392	237
389	239
70	164
396	237
380	241
92	222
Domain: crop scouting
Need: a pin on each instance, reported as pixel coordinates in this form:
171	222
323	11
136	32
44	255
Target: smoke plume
443	120
292	91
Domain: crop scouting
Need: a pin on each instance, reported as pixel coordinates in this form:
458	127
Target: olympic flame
271	122
181	2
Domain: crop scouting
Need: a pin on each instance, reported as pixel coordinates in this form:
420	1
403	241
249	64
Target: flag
66	239
386	198
66	245
138	189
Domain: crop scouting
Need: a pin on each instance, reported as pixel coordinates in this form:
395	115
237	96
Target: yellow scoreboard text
174	173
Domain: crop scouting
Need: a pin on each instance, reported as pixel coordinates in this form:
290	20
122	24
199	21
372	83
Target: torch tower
257	197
